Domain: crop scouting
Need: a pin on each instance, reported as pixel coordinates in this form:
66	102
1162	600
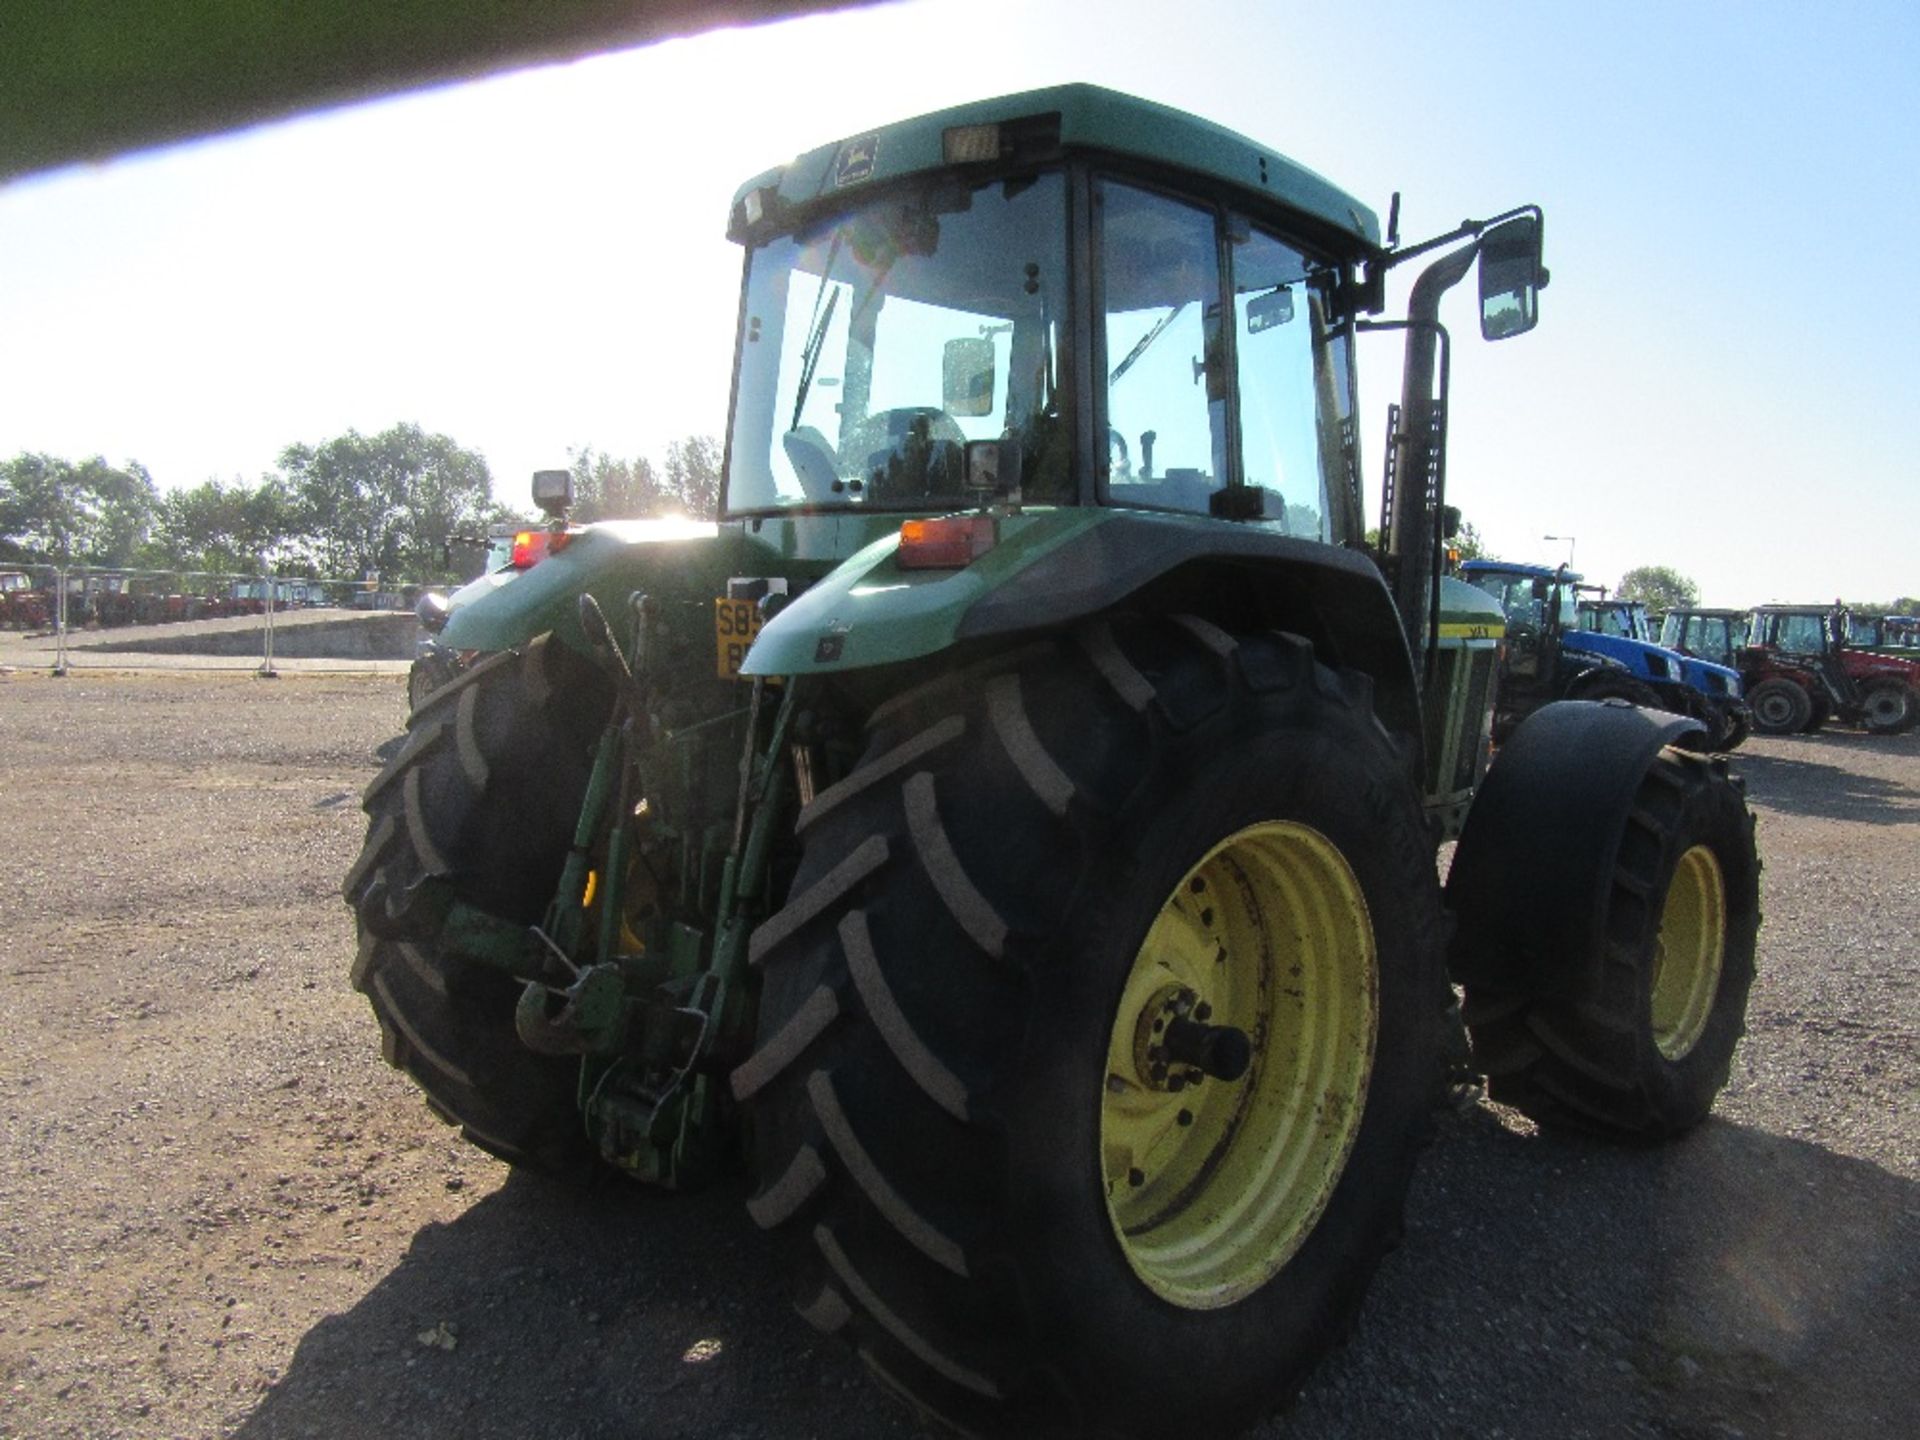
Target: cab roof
1091	118
1509	567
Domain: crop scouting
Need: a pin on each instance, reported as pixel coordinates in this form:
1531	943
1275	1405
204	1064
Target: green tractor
1009	833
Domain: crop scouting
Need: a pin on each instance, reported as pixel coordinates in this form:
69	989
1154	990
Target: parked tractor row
1009	833
1561	646
102	600
1778	669
1804	665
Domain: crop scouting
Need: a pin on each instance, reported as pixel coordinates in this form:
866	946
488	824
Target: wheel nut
1136	1178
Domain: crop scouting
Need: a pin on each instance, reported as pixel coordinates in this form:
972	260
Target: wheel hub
1259	976
1174	1047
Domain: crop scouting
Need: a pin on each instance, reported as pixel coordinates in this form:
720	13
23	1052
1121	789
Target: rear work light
950	543
970	144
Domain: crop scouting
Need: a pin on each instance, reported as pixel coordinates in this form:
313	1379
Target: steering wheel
882	448
1119	458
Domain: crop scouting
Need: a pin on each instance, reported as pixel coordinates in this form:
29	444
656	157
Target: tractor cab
1540	605
978	309
1624	619
1715	635
1806	638
1883	634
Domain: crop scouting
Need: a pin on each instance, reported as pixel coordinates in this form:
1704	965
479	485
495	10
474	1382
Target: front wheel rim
1689	953
1774	708
1212	1187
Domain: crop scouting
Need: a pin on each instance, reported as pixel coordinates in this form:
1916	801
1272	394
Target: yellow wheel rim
1212	1187
1689	952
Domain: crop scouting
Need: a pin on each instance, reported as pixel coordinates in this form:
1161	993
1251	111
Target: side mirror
1449	521
966	376
553	491
1268	310
993	468
1511	278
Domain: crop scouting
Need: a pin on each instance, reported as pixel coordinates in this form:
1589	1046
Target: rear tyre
1000	1186
1887	707
1645	1042
478	806
1779	707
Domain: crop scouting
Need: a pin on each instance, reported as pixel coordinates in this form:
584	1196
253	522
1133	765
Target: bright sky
1724	379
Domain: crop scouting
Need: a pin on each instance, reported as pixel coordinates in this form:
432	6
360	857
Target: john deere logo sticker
854	163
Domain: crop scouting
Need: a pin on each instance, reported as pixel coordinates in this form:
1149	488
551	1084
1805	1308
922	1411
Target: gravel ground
220	1214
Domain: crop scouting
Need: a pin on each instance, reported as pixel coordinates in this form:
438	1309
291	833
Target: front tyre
1642	1041
1100	1032
1888	707
1779	707
1737	726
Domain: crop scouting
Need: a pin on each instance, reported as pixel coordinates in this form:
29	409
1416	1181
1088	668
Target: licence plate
735	623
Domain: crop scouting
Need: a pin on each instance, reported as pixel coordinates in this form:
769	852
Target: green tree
1468	543
91	513
693	475
1660	586
393	502
226	527
608	489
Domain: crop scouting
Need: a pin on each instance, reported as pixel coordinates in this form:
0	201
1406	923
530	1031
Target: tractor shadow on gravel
1808	784
1737	1283
549	1311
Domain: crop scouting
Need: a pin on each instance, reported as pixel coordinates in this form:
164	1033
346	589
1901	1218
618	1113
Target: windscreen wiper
1146	340
817	331
810	356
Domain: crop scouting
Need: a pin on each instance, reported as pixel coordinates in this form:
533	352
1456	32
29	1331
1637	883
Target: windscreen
1528	600
874	346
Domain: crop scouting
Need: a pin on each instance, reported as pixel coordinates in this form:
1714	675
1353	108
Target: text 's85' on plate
735	623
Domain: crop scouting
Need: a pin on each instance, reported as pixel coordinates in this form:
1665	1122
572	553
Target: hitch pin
554	950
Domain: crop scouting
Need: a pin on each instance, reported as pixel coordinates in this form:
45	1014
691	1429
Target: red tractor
1800	672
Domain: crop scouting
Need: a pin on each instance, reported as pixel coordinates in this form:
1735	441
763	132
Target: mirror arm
1466	229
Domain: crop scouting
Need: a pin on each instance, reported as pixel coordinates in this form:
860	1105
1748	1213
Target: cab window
1295	399
1166	387
1800	634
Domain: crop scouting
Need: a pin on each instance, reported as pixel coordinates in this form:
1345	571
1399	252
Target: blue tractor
1714	695
1552	655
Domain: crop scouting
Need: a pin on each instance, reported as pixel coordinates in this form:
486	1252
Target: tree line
1664	588
404	503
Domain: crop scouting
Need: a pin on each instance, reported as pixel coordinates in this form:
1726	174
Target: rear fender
1530	881
673	560
1050	568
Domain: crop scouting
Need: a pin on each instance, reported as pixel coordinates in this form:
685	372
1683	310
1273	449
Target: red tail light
530	548
950	543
